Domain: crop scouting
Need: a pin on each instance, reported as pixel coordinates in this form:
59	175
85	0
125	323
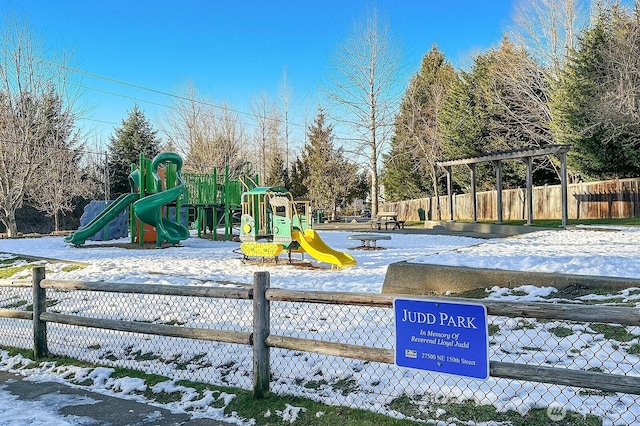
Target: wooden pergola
526	155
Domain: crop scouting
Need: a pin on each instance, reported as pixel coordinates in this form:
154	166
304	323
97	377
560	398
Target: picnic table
386	219
368	240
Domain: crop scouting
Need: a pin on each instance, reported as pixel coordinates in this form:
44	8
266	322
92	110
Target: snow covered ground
583	251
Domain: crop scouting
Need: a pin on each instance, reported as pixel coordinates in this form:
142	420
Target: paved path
84	407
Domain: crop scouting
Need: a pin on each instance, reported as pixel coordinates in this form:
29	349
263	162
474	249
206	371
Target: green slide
107	215
149	208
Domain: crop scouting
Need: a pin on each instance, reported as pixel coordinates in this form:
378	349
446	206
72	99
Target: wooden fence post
40	349
261	330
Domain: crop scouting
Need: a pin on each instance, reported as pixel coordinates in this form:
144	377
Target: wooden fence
262	340
619	198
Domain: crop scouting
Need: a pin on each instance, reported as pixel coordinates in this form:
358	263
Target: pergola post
527	161
474	200
562	156
498	166
450	192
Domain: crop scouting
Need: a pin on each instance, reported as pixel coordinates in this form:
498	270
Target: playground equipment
162	198
217	199
273	222
116	228
149	209
101	220
150	194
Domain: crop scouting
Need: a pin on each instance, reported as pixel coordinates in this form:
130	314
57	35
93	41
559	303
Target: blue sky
234	50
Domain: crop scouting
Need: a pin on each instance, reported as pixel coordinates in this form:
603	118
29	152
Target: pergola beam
509	155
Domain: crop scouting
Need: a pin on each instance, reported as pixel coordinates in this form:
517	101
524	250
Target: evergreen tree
331	178
410	169
402	176
595	106
299	174
134	137
499	105
278	174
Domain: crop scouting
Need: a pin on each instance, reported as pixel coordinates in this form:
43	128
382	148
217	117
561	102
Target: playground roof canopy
259	190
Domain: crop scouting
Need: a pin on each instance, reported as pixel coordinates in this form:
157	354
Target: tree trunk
11	225
374	166
56	221
434	180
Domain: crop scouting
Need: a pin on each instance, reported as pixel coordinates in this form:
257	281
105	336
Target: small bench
368	240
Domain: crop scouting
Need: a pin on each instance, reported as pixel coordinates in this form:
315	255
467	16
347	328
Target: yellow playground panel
273	222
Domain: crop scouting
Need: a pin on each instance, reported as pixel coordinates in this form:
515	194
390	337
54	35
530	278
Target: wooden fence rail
262	340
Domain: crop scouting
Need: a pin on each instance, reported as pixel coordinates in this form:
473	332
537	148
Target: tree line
559	76
562	77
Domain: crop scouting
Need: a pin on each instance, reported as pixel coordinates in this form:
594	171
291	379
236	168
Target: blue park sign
443	337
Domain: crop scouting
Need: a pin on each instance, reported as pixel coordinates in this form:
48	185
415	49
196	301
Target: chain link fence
428	396
339	380
14	299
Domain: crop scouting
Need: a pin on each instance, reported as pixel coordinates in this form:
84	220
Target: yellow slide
311	242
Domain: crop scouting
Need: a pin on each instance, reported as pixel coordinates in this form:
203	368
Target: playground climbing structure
272	222
155	184
163	200
216	199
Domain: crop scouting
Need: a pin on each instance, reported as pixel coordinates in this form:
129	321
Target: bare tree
421	126
285	99
365	92
266	133
548	29
28	76
205	134
60	176
231	138
62	182
522	91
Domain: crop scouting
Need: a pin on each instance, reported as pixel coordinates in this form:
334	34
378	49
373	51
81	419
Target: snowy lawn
373	386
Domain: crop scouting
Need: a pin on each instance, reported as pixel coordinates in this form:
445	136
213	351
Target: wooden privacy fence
263	340
618	198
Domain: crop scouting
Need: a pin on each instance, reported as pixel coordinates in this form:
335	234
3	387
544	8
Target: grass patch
49	303
9	271
493	329
613	332
525	325
71	268
561	332
17	304
532	348
476	293
459	413
264	411
7	261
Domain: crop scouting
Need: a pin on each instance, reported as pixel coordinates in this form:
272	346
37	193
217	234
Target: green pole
132	218
227	205
142	191
199	220
217	197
